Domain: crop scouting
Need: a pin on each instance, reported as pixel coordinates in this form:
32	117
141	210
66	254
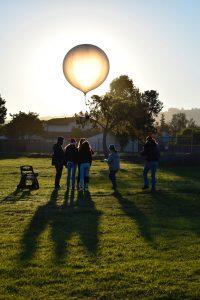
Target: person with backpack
85	161
71	161
151	154
58	160
113	162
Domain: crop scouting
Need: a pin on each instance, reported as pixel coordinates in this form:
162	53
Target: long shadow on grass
132	211
78	216
168	214
189	178
179	211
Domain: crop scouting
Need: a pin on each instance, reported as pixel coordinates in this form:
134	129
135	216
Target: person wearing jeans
85	161
114	165
71	161
150	166
151	154
71	174
84	175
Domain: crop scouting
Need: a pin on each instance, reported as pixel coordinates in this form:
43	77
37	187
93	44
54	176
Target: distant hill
190	113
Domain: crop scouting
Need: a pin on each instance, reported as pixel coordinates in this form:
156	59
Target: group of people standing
78	159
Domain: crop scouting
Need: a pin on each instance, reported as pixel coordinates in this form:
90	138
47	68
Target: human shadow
188	181
74	216
39	222
165	214
135	213
171	207
80	217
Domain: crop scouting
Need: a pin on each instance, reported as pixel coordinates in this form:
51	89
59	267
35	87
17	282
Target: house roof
60	121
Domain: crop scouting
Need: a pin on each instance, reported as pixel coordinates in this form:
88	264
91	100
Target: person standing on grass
71	161
151	154
85	161
81	141
113	162
58	160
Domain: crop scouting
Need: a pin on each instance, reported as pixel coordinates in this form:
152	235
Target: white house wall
63	128
96	143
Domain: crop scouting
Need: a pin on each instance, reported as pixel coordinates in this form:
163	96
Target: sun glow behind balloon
86	67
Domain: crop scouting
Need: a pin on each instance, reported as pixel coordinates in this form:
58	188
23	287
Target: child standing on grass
114	164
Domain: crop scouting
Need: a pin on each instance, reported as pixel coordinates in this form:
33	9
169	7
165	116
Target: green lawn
128	245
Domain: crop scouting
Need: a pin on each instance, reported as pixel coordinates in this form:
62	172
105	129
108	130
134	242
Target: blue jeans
150	166
84	174
71	173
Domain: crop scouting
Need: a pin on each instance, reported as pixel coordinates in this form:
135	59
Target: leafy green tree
123	110
178	123
24	125
152	103
123	87
104	112
3	110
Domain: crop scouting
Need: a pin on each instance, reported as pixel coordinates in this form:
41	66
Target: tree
151	100
178	123
24	125
123	110
141	113
123	87
3	110
164	127
142	108
162	122
122	140
105	113
192	124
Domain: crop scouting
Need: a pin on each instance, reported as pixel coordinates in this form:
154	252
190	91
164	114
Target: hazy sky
155	42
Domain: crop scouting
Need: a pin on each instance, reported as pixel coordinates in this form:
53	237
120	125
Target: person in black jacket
81	141
58	160
151	154
71	161
85	161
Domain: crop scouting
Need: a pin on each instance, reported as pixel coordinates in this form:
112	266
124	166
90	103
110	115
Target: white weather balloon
86	67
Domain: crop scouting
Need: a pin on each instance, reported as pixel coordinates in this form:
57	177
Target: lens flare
86	67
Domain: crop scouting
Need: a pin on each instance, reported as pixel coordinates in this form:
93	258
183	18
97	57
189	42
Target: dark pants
150	166
112	176
59	168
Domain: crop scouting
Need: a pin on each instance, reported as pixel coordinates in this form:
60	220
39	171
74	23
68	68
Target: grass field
104	245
